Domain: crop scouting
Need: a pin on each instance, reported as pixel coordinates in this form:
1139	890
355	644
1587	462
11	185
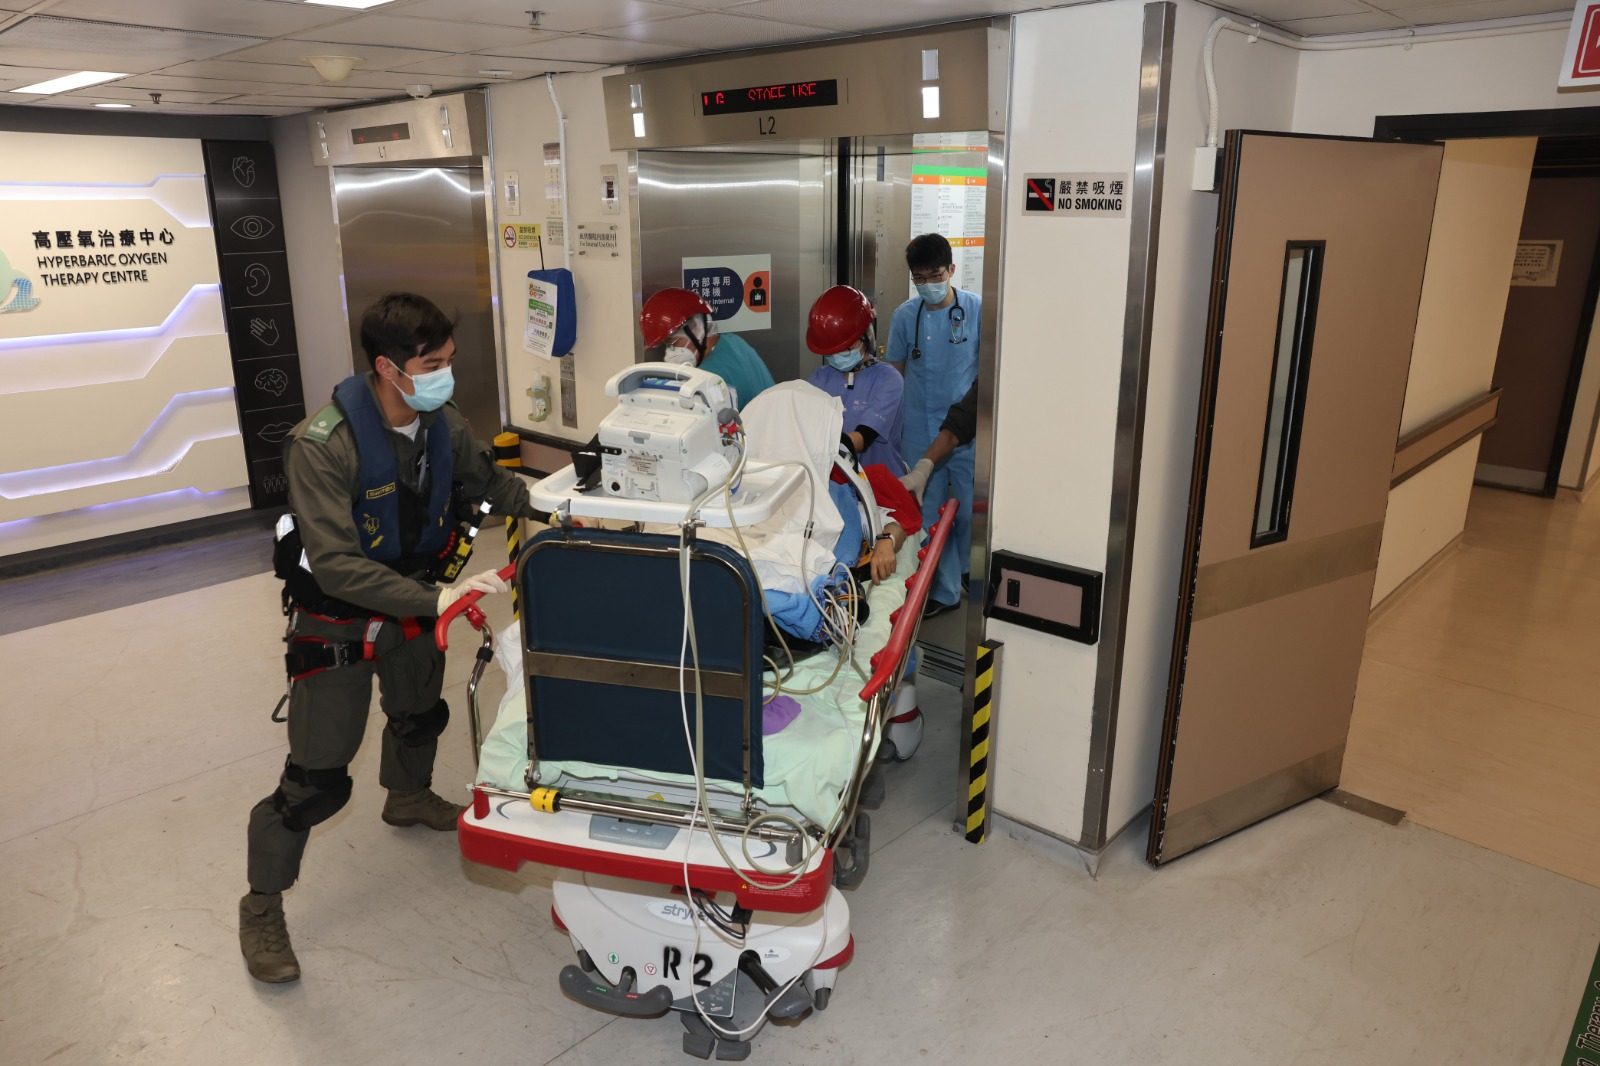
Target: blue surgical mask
431	390
934	292
844	362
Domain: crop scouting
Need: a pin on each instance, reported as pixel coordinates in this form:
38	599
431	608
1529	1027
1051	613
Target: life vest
396	525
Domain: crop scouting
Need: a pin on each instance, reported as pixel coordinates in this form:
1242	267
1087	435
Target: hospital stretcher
658	918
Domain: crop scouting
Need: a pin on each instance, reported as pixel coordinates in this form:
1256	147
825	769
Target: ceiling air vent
79	44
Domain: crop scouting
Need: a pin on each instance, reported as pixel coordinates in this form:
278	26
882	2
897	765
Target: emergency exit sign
1581	64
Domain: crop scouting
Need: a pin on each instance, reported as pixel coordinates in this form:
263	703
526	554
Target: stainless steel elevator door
423	230
745	200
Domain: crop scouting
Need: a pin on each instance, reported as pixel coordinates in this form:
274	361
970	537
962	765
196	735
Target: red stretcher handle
467	605
886	661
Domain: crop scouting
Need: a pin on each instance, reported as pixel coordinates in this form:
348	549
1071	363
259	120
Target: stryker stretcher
658	918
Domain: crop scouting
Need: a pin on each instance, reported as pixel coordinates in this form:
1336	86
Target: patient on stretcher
812	715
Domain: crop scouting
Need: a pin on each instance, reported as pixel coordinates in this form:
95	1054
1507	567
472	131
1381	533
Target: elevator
814	166
409	193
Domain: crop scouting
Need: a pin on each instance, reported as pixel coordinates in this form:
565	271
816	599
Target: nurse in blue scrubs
933	338
840	330
680	323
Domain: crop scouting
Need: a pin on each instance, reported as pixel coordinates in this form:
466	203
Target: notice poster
1537	264
949	195
738	288
539	330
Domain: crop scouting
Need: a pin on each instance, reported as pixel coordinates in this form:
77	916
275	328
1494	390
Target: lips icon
273	432
252	227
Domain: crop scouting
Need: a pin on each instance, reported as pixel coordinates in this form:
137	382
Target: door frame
1548	122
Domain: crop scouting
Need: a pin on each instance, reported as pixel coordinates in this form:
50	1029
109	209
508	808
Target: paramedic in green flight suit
373	480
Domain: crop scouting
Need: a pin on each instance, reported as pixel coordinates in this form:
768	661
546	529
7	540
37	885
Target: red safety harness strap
308	655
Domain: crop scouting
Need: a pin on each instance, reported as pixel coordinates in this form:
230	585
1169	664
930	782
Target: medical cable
696	743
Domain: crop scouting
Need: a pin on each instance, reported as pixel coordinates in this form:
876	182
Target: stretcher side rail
889	662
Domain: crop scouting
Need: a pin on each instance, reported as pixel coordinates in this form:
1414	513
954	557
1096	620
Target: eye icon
252	227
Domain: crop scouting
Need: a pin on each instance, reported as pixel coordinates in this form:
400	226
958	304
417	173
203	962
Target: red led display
777	97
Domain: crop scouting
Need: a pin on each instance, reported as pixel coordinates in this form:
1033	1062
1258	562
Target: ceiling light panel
352	5
396	32
252	18
556	16
65	83
76	44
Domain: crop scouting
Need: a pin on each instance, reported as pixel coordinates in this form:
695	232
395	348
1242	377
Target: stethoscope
958	326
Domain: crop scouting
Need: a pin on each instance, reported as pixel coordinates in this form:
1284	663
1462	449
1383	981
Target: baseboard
1416	578
43	559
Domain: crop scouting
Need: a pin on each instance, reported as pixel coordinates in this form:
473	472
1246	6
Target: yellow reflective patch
381	491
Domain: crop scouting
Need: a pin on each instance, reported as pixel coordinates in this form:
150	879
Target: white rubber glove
486	582
917	479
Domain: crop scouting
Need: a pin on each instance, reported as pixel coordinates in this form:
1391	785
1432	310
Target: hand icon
265	330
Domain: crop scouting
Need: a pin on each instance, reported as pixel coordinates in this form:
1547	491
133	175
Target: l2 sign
1581	64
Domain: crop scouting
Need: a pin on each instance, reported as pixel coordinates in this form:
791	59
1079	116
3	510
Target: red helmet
840	317
666	312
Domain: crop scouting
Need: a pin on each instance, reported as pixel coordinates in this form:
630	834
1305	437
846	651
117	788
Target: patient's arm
885	550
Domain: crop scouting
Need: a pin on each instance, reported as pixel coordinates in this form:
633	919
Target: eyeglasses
925	279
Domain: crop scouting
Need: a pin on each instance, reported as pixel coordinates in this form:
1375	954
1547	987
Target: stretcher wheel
820	999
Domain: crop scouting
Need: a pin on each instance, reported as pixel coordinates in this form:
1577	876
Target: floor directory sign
949	194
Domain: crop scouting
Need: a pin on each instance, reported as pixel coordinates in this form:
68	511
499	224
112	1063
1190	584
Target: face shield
687	344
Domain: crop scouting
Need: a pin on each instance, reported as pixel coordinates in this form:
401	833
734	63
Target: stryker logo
16	290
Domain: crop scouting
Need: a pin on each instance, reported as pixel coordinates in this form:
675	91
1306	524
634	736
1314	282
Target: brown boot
422	807
264	939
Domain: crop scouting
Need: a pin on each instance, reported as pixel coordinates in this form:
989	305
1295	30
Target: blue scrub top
734	361
945	369
871	397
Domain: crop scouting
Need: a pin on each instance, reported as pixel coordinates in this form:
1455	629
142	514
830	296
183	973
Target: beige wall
1342	91
523	120
1476	221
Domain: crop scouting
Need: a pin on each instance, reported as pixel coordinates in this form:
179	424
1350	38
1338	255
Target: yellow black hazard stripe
978	763
508	453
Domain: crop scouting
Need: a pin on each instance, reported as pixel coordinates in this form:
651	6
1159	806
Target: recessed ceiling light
114	107
359	5
498	73
69	82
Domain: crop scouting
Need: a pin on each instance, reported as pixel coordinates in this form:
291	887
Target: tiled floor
1478	710
135	741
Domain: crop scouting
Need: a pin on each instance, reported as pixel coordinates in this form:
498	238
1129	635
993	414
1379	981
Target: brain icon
273	381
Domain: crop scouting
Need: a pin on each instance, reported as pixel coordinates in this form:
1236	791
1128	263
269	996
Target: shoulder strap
324	423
